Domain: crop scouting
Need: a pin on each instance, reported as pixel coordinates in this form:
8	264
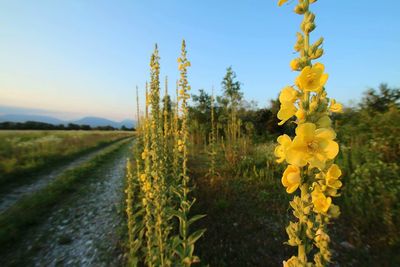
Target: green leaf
196	218
179	214
195	236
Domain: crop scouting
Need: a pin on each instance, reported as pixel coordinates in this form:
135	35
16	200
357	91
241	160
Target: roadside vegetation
23	153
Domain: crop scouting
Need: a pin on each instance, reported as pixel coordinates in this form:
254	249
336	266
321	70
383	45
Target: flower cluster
311	153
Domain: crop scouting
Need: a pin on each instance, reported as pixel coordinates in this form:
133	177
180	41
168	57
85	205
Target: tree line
35	125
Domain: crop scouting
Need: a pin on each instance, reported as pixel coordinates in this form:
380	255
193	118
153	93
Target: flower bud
318	42
295	64
299	42
309	27
310	17
300	9
317	54
301	115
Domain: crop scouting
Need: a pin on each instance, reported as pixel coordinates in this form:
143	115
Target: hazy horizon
65	116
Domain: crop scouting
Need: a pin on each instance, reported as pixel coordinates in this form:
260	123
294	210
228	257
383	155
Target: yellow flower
291	178
281	2
288	110
280	151
292	262
312	78
335	107
332	177
288	94
320	201
313	146
287	97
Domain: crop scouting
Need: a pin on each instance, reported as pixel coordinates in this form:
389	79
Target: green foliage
373	193
381	101
369	156
23	152
231	89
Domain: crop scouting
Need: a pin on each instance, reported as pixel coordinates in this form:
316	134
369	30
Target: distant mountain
96	121
24	118
128	123
91	121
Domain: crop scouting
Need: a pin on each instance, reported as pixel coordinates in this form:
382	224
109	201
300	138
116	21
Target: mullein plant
134	212
310	155
167	136
134	209
212	138
158	165
146	187
184	243
175	131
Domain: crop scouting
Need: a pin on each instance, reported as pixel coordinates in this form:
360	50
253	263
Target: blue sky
85	57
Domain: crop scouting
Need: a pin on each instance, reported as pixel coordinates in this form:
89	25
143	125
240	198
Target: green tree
382	100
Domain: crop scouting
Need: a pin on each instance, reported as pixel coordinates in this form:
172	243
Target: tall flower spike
311	152
185	247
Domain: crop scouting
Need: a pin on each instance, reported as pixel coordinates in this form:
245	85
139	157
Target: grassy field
22	153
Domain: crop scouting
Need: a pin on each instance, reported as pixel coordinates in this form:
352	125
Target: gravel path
7	199
83	230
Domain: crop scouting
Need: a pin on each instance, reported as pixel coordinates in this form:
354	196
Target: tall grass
26	151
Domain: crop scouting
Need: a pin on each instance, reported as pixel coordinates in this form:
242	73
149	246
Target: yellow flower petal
325	133
295	154
313	146
284	139
312	78
281	2
291	178
288	109
280	151
288	94
306	130
319	66
332	150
